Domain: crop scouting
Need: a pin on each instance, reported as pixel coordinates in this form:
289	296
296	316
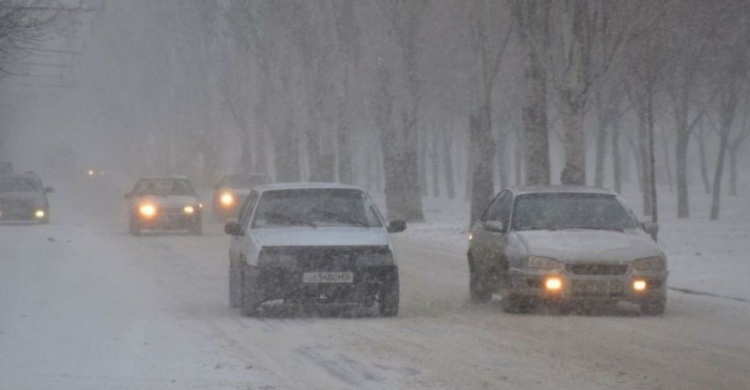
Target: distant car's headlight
536	262
189	210
227	199
656	263
147	210
39	214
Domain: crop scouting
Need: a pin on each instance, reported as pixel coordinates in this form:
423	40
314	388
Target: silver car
23	197
565	244
312	244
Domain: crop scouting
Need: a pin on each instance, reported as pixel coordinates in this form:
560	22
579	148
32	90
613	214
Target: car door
239	243
492	244
482	239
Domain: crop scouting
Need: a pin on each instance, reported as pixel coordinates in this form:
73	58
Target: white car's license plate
328	277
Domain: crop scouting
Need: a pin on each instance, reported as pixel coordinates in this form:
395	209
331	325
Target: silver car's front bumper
603	288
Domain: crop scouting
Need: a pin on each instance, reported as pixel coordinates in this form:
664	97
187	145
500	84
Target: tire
478	290
513	304
133	227
235	285
251	295
389	296
196	229
656	308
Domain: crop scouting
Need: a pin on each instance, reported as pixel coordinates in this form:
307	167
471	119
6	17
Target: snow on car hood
321	236
588	245
169	201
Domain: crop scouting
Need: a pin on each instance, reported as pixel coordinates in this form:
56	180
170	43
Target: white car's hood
169	201
321	236
588	245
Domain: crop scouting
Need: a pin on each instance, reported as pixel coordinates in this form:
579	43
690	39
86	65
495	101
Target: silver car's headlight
656	263
536	262
375	259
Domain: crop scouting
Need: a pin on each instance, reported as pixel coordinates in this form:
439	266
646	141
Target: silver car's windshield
315	207
555	211
18	184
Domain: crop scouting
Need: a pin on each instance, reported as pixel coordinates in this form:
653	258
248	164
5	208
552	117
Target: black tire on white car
235	285
389	296
478	291
251	294
654	308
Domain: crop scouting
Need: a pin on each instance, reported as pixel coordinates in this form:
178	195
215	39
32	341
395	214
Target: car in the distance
23	197
567	245
163	204
231	191
312	244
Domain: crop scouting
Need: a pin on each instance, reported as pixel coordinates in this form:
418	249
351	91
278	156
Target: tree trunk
616	157
344	149
422	165
481	161
716	193
681	152
435	162
644	159
574	143
704	164
533	32
733	154
667	165
502	160
601	141
413	193
450	184
287	154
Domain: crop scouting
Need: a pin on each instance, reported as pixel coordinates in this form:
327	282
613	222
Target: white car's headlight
656	263
536	262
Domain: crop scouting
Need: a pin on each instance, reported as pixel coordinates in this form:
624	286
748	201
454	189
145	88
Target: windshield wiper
289	220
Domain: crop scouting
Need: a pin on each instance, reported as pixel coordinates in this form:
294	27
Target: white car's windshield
315	207
555	211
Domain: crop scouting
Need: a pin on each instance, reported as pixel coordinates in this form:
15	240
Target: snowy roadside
708	257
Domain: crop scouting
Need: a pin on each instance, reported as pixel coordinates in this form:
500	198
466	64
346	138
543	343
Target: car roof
566	189
305	186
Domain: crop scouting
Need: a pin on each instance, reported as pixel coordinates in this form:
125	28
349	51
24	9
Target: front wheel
134	227
196	228
235	285
389	297
656	308
251	295
478	291
513	304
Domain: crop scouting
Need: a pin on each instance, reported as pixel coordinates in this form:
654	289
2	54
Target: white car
161	204
565	244
310	243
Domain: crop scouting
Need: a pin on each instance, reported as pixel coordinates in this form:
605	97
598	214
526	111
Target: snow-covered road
83	305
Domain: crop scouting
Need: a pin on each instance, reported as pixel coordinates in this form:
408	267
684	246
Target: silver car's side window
493	212
247	209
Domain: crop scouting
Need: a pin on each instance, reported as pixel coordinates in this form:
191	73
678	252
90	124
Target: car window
493	211
315	207
164	187
247	209
554	211
19	184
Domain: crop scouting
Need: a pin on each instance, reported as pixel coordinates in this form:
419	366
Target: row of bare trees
412	97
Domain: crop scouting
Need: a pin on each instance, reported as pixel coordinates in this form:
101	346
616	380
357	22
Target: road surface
83	305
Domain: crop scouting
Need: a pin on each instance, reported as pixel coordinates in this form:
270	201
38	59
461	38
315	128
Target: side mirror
651	228
128	195
396	226
49	189
233	229
494	226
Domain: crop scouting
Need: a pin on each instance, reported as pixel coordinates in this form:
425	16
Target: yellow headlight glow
227	199
91	172
39	214
147	210
640	285
189	209
553	283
